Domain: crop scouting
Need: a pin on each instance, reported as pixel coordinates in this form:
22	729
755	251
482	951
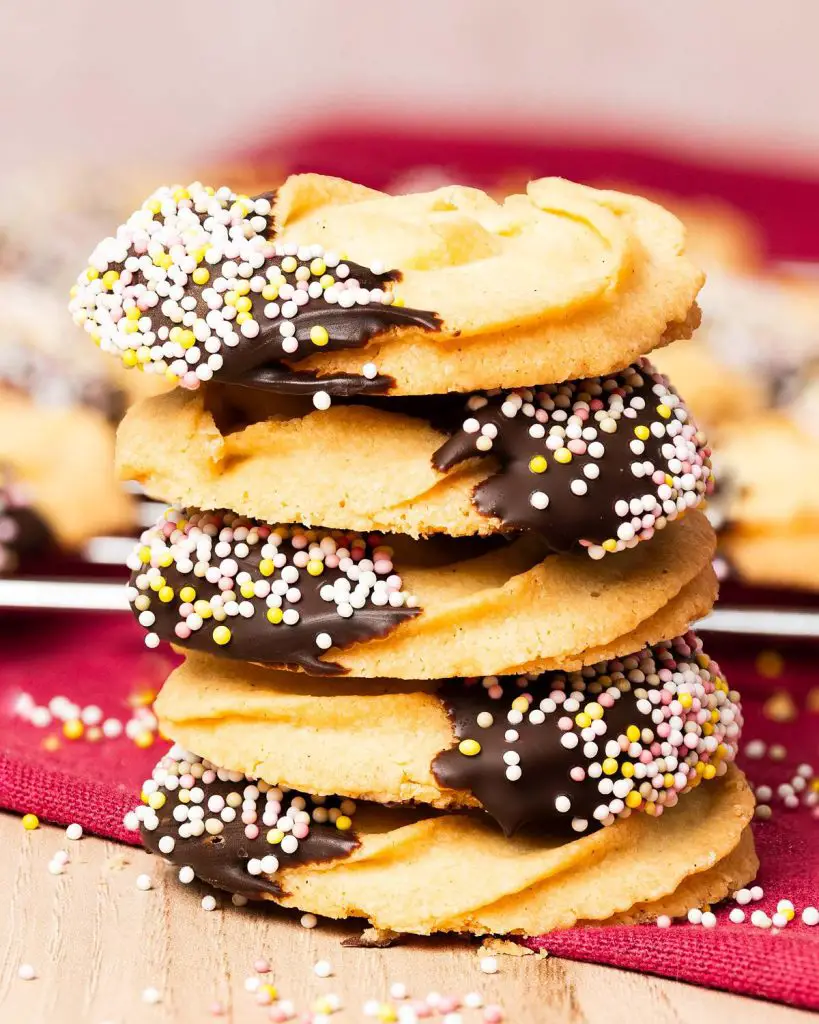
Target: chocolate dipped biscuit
328	285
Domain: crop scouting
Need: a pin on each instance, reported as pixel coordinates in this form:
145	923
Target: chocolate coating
588	746
22	531
566	517
221	860
253	637
283	381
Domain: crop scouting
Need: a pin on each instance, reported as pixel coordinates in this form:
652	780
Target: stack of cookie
433	557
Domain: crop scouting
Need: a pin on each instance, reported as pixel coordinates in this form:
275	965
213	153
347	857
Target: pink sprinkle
186	609
606	700
187	781
217	1010
449	1004
277	1015
301	830
331	561
493	1014
495	692
577	446
577	774
252	831
646	757
182	631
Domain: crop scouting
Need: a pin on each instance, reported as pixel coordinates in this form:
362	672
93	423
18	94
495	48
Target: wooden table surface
97	942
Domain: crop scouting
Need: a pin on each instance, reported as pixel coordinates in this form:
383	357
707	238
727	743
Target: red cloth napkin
99	659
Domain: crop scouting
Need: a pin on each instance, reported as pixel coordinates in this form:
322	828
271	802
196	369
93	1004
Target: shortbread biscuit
454	872
417	610
327	285
566	752
600	464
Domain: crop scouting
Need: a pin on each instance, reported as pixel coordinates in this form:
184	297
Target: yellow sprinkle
143	354
156	800
563	455
73	729
201	275
289	264
275	836
166	595
92	273
163	260
343	823
770	664
627	770
129	358
315	567
609	766
582	720
386	1014
327	281
144	554
685	699
144	739
244	305
633	799
180	193
221	635
187	339
317	267
594	709
30	822
668	780
242	318
699	768
270	292
707	729
398	301
520	704
651	807
157	583
247	590
109	279
787	913
270	991
187	594
203	609
469	747
319	335
275	615
663	411
609	545
134	313
537	464
183	796
709	771
165	559
632	734
642	432
231	298
131	327
242	288
153	206
266	567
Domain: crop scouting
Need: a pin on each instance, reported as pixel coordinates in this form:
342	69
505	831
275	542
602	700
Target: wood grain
97	942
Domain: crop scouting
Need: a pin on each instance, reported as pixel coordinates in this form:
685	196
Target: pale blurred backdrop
156	83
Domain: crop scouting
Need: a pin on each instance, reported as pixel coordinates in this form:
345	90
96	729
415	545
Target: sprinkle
736	916
74	832
26	972
151	996
663	921
810	916
469	747
209	903
144	883
322	401
30	822
322	969
308	921
489	965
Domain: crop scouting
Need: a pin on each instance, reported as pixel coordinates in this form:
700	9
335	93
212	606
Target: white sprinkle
759	919
322	401
152	996
209	903
810	916
736	916
709	920
370	370
757	892
779	920
538	500
166	844
743	897
74	831
695	916
663	921
324	641
398	990
308	921
26	972
489	964
144	883
485	719
186	874
323	969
